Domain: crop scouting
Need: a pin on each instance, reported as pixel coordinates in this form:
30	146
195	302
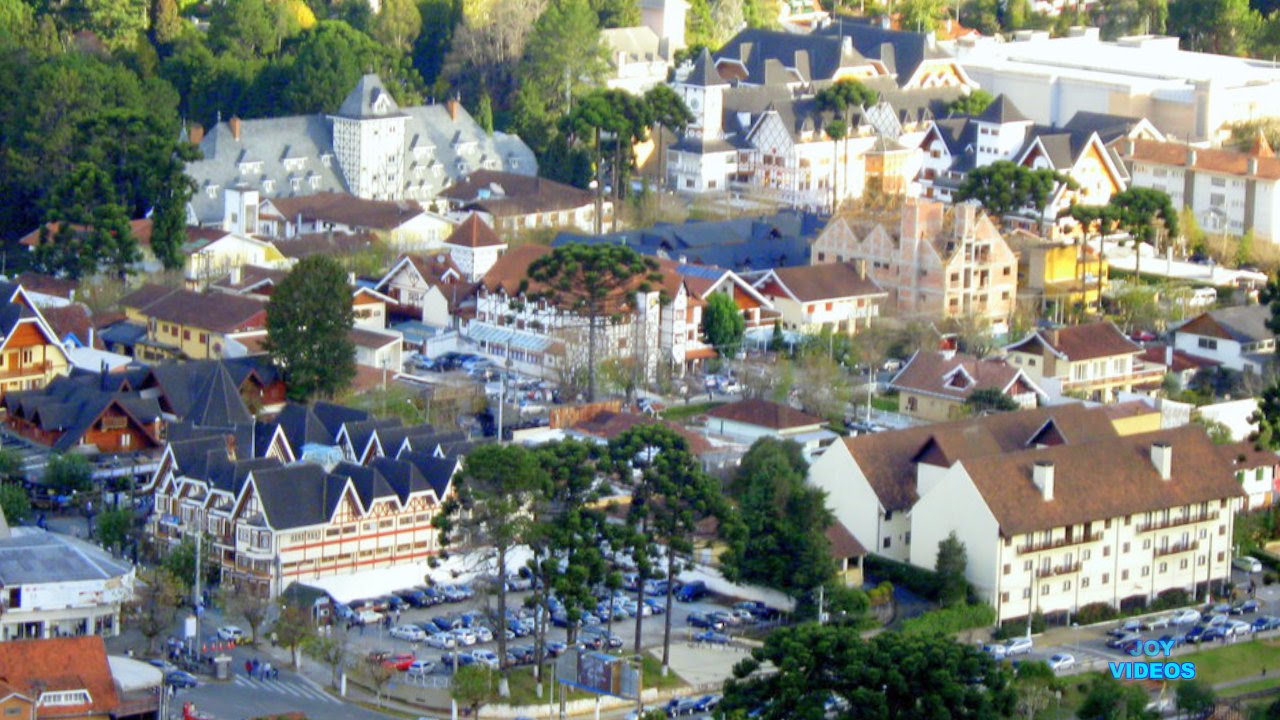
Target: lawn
885	403
1256	685
1233	661
684	412
523	687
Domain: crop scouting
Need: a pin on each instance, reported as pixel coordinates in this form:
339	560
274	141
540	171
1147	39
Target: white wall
1227	351
953	504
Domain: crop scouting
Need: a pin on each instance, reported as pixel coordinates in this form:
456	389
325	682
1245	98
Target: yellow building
30	353
1058	275
181	324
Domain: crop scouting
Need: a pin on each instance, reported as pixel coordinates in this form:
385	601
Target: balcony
1173	522
1081	539
26	371
1141	373
1057	570
1177	549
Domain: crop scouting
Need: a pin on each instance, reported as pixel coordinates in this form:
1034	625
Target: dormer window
211	191
64	697
958	379
268	186
295	183
326	159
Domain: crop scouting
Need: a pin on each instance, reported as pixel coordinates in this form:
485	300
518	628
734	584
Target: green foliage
893	675
616	13
470	687
784	520
920	15
951	620
990	400
10	464
113	527
308	320
777	341
1224	27
1118	18
844	96
326	63
250	28
180	562
564	47
1109	699
439	18
724	324
398	24
1171	599
118	23
15	503
973	103
917	580
92	229
1267	416
68	473
950	567
1142	211
17	21
156	598
1004	187
293	627
484	114
1095	613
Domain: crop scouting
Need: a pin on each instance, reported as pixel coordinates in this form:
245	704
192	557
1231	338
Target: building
638	59
1194	96
1094	360
474	247
741	244
1055	509
31	355
512	203
848	554
1057	276
835	297
1236	338
1255	469
1228	191
212	253
40	683
429	289
180	324
286	507
746	421
55	585
140	228
1180	365
1079	150
936	386
940	262
371	148
404	223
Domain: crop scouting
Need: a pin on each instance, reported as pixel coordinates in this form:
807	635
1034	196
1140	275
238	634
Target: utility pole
195	587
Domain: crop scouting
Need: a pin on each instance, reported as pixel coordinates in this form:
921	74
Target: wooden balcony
1177	549
26	371
1172	522
1058	570
1061	542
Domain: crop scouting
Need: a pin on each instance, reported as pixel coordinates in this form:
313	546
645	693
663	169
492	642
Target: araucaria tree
1004	187
494	492
670	495
782	543
308	320
597	283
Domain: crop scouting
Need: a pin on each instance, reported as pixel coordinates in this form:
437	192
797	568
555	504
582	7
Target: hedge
1095	613
918	580
951	620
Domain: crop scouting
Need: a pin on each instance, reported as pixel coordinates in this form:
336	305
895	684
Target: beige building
811	298
938	262
1056	511
1093	361
936	386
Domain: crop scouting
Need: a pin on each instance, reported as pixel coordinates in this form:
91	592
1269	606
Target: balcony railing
1139	373
28	370
1155	525
1058	570
1081	539
1176	549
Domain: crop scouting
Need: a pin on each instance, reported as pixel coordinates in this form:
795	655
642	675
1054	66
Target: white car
412	633
421	667
368	617
463	636
482	633
230	632
1186	617
1217	620
1061	661
442	641
1238	627
1019	646
485	657
1159	621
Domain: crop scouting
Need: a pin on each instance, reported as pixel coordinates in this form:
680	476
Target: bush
881	594
1172	598
1018	627
1269	578
950	620
1095	613
917	580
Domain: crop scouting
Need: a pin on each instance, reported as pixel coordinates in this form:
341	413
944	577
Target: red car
400	661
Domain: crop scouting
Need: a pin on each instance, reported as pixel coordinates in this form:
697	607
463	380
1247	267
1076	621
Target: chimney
195	133
230	441
1191	157
235	276
452	105
1052	337
862	269
744	51
1042	475
234	123
1162	458
1253	166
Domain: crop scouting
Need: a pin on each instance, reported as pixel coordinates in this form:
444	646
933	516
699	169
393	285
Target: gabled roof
369	98
829	281
293	496
843	544
217	312
504	194
607	425
473	233
1079	342
218	402
1223	162
763	413
1242	323
343	209
33	667
438	471
334	416
1001	111
704	72
956	376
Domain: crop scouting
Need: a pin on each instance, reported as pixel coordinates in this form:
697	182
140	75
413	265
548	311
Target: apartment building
1094	361
1229	191
1055	508
939	262
181	324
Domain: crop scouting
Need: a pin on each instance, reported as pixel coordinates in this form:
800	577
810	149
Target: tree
920	15
484	114
326	63
777	341
669	113
92	227
308	320
1004	187
180	562
950	566
616	13
156	596
249	28
564	55
166	23
971	104
398	24
116	22
292	628
241	602
14	503
113	527
493	492
1267	416
470	688
1118	18
836	130
169	221
724	324
727	18
783	542
1144	213
68	473
1108	699
332	650
844	96
1223	27
984	400
670	495
10	464
1196	697
375	675
907	677
596	283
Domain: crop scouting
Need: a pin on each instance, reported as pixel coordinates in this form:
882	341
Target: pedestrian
266	671
274	639
248	668
275	673
362	629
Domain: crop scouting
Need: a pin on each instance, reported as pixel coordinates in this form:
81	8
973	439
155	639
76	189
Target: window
1004	598
1085	555
1164	567
1146	570
1207	343
1106	578
1124	575
1125	548
1183	565
1007	568
67	697
1217	199
1026	593
1221	557
186	334
1084	583
886	542
1044	589
1027	566
1146	544
1106	551
1218	182
1066	586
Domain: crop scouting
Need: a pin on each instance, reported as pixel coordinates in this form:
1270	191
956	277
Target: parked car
442	640
656	606
409	633
1237	628
485	657
1126	628
701	620
711	636
1219	620
1159	621
555	649
707	703
1248	564
995	650
400	661
1265	622
1213	633
1195	634
1019	646
446	623
421	667
1186	617
681	706
416	598
691	591
464	636
1177	640
1245	608
231	633
179	679
368	617
461	659
1120	640
483	634
1061	661
758	609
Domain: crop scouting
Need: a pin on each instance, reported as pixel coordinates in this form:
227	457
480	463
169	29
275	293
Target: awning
702	353
496	336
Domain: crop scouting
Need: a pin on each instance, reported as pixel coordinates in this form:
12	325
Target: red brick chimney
195	133
234	123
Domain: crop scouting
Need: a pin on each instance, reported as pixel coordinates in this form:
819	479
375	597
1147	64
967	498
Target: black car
180	679
416	598
702	620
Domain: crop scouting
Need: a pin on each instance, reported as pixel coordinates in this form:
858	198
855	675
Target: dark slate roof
403	477
1002	110
70	405
762	53
437	471
333	417
369	484
359	433
361	101
302	426
293	496
218	402
900	51
123	333
704	72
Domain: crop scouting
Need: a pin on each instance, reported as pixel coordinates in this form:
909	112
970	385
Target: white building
1056	510
428	288
1193	96
55	585
474	247
1236	337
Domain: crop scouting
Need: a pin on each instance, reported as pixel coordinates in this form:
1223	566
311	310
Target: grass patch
524	688
1072	695
1230	662
885	403
684	412
1256	685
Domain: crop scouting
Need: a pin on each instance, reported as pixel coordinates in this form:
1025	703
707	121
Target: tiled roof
1242	323
217	312
343	209
1247	455
47	284
1080	342
473	233
954	377
608	425
843	544
141	229
511	270
1225	162
504	194
73	319
763	413
55	664
826	282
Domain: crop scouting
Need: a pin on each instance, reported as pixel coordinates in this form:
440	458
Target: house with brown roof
211	253
1094	361
746	421
1229	191
936	386
1235	337
836	297
847	552
512	203
42	672
186	324
402	223
1055	508
474	247
425	287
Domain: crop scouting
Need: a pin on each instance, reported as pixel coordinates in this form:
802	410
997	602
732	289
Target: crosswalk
296	688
